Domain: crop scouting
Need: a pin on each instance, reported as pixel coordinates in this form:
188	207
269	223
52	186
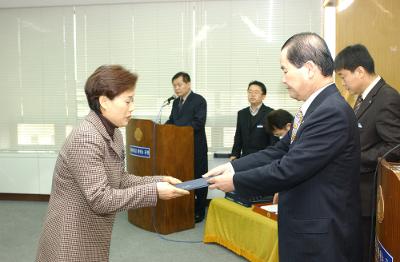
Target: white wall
32	173
28	174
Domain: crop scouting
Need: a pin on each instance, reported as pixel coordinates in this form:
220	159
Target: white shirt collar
369	88
184	98
255	112
309	100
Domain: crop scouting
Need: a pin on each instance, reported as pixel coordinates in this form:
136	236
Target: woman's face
118	110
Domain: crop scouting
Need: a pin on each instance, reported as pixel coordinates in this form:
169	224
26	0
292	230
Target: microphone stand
158	118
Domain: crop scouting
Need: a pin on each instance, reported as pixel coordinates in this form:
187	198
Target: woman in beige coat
90	183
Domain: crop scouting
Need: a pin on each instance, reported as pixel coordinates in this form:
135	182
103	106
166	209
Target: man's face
181	88
350	80
255	95
294	78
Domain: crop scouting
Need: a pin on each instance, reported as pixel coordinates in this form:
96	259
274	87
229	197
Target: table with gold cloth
242	230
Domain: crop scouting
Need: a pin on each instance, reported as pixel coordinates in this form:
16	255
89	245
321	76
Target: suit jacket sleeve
262	157
89	171
318	142
130	180
388	129
200	115
237	144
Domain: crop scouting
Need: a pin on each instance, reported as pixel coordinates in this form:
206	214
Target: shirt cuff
230	168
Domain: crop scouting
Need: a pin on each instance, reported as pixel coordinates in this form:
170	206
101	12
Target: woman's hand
171	180
167	191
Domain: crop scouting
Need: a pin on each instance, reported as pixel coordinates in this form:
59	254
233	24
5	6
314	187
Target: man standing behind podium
378	113
190	109
315	167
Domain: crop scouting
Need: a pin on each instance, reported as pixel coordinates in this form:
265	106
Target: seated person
278	123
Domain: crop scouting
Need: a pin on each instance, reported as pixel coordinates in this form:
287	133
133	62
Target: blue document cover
193	184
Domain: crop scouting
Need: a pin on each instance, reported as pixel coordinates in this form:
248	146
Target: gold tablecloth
242	230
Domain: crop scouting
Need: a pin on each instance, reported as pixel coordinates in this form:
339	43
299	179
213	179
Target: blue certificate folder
193	184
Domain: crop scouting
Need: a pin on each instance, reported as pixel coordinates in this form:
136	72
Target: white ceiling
41	3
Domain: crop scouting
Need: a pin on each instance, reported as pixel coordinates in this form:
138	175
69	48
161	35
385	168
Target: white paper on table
271	208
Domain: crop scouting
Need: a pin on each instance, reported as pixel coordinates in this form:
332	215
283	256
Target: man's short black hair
260	84
185	77
277	119
354	56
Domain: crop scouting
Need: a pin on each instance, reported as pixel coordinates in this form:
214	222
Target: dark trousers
368	191
368	251
200	201
200	195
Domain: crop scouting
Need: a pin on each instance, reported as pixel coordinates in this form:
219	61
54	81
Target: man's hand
221	177
167	191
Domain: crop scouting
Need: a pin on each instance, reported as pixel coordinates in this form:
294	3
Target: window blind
48	53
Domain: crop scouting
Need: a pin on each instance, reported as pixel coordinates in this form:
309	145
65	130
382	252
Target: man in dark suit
378	113
314	167
190	109
250	134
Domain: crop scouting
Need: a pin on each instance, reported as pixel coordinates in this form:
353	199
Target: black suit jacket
379	125
193	113
317	177
251	136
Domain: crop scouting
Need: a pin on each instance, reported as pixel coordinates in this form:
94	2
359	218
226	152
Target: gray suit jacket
89	186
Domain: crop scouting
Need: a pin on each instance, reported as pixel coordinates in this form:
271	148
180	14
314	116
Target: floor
21	224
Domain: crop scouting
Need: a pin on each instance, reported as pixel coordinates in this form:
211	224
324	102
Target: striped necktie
357	104
298	119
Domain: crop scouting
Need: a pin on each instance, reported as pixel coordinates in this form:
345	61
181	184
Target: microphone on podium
165	103
173	97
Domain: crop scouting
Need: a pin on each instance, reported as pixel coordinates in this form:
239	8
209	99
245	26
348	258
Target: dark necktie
180	104
357	104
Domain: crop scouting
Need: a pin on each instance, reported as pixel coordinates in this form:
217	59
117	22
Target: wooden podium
152	150
388	213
